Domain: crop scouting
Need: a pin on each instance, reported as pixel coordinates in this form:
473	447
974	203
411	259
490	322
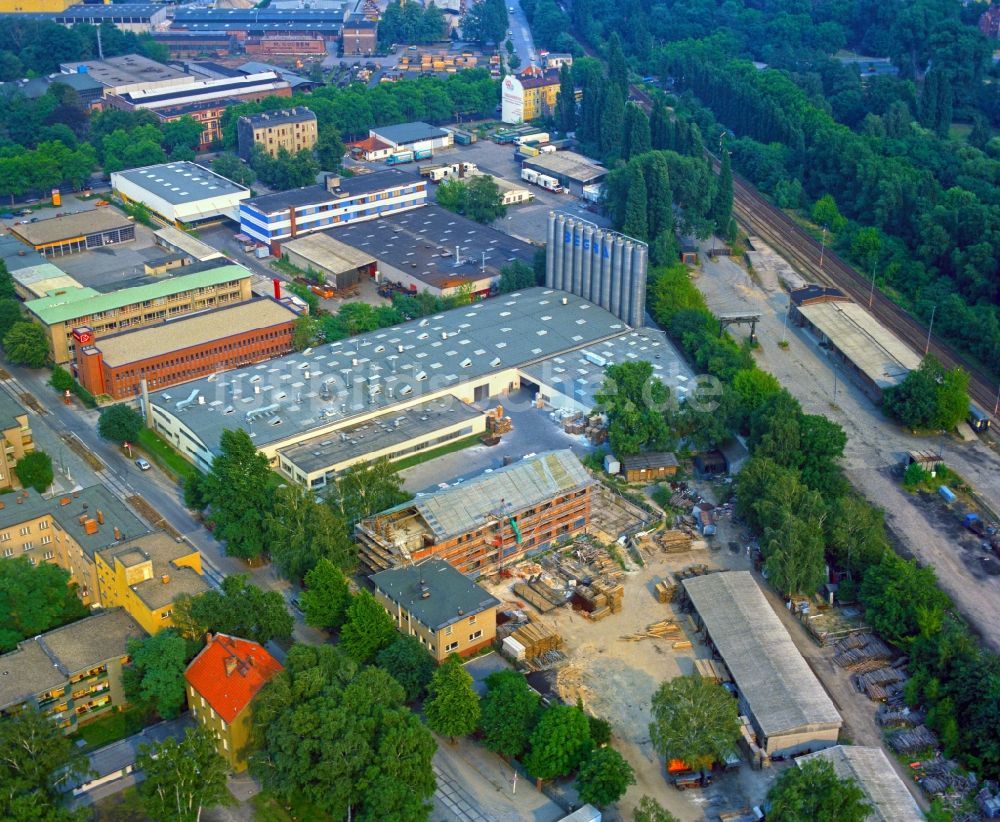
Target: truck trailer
400	157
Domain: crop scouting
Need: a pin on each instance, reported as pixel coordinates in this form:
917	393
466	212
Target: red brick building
214	341
360	37
274	43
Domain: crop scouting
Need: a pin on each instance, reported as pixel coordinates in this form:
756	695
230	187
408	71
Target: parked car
143	464
692	779
6	216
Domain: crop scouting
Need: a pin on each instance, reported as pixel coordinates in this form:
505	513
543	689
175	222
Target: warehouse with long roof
785	702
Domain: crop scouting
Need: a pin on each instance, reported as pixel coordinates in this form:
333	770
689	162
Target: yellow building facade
540	95
34	6
15	438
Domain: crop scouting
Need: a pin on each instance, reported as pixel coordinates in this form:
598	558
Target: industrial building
359	37
221	683
371	150
28	6
195	43
129	72
291	129
273	218
185	348
73	233
15	439
205	100
244	24
88	90
181	193
175	241
339	265
887	794
875	356
785	703
147	575
487	521
530	96
134	17
649	466
599	265
322	396
413	137
572	170
435	250
67	531
440	606
72	674
62	312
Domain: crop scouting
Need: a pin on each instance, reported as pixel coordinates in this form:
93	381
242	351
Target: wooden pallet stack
674	541
537	639
666	589
536	594
712	670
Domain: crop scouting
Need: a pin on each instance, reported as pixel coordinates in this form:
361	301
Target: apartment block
292	129
72	674
15	438
444	609
146	575
487	521
65	312
222	682
68	531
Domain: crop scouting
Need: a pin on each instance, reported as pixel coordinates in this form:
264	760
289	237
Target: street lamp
930	328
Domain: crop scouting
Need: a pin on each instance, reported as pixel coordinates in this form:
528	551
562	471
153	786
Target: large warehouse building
572	170
877	358
78	232
786	704
186	348
340	265
181	194
485	522
887	795
272	218
333	396
413	137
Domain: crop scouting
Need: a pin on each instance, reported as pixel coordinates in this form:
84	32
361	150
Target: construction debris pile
860	653
912	740
497	424
883	684
664	629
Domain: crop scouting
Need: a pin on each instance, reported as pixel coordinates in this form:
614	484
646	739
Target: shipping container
422	154
400	158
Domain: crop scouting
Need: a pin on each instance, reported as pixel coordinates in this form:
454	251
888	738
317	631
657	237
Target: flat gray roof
47	661
182	182
404	133
890	799
385	431
279	400
16	255
124	70
324	251
168	580
434	592
69	226
782	692
10	409
580	374
462	508
422	243
568	164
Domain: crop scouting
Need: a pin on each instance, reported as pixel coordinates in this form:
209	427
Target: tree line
410	22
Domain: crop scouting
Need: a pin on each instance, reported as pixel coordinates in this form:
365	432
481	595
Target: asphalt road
524	46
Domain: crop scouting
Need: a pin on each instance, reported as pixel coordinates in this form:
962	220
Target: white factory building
181	194
413	137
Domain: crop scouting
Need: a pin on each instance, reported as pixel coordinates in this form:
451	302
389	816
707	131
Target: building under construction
487	521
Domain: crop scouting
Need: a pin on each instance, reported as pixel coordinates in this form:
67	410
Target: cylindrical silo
588	238
627	283
550	252
616	276
639	263
607	247
578	259
559	253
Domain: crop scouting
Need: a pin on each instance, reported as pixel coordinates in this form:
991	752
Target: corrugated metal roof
890	799
463	507
782	692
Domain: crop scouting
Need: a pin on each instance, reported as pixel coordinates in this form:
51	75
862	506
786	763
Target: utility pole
930	328
784	329
822	251
996	405
871	293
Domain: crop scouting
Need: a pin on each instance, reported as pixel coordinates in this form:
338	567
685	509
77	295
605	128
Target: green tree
34	470
902	600
7	291
303	332
452	706
813	791
182	778
617	68
409	664
930	397
634	401
635	132
300	531
120	423
604	777
722	202
825	213
10	313
367	630
38	765
649	810
330	149
61	379
194	491
365	489
559	743
867	247
34	599
233	168
181	137
483	200
238	493
694	720
612	124
566	101
155	677
26	344
509	713
326	597
239	609
636	206
516	276
450	194
856	536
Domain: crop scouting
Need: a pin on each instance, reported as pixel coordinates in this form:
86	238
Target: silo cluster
599	265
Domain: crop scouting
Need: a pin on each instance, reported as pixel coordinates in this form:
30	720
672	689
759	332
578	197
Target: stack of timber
882	684
693	571
666	589
538	594
665	629
537	639
912	740
599	599
712	670
861	653
674	541
890	716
